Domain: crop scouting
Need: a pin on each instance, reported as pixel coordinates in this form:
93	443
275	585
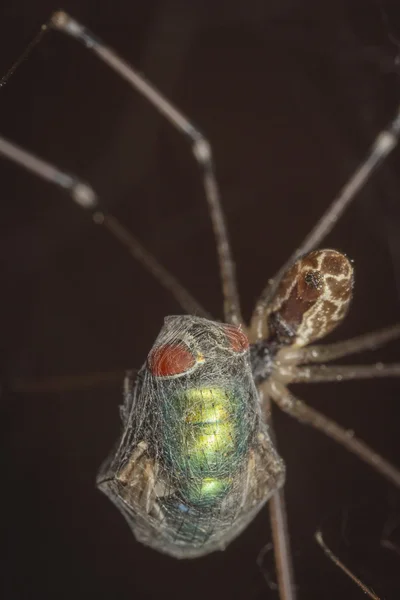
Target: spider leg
319	539
201	147
86	197
279	521
326	352
145	258
384	143
67	383
296	408
343	372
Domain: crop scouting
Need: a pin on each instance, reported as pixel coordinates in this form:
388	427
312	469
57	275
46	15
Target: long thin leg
200	146
67	383
62	22
86	197
281	542
139	253
338	563
323	373
385	142
296	408
326	352
279	526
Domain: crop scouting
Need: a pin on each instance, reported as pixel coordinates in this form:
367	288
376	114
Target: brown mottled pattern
336	263
310	261
312	298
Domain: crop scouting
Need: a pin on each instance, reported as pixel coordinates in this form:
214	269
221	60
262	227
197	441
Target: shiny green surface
204	442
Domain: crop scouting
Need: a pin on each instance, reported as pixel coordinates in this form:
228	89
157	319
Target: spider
232	314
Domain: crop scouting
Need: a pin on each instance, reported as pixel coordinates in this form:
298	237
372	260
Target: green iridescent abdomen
204	440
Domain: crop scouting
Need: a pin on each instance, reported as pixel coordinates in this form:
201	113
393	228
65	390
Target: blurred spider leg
279	524
25	54
343	372
200	146
260	563
67	383
384	143
281	542
79	191
326	352
145	258
86	197
296	408
338	563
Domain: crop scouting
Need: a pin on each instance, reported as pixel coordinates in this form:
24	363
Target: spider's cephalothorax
195	462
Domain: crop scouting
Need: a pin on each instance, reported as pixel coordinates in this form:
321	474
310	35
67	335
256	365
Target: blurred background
291	94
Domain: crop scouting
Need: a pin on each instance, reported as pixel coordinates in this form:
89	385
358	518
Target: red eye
170	359
237	339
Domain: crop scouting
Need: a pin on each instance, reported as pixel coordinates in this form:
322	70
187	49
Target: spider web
195	462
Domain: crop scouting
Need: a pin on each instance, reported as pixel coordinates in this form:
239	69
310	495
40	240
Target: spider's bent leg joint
278	391
201	148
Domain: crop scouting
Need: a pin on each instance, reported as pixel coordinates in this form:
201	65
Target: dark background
291	94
